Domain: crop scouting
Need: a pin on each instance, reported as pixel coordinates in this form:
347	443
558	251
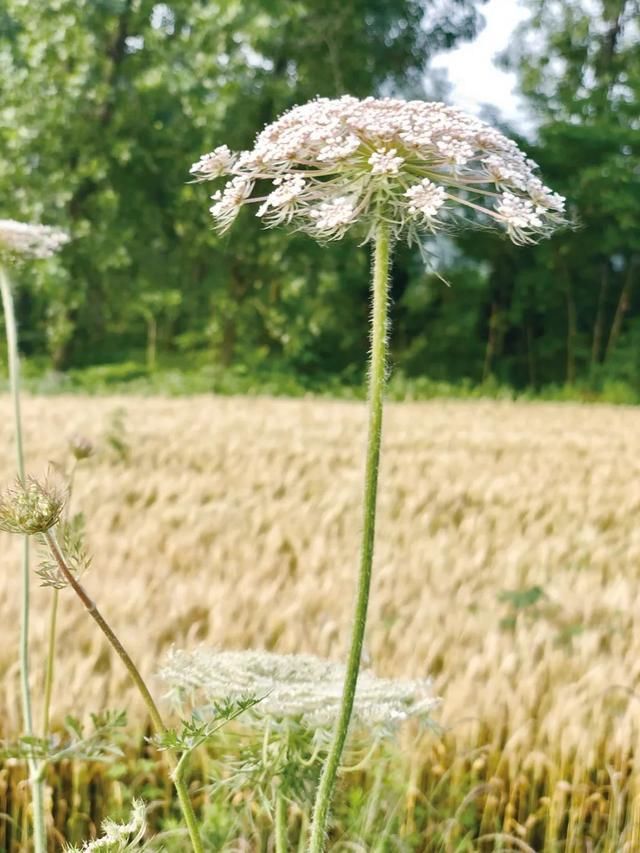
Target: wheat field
507	564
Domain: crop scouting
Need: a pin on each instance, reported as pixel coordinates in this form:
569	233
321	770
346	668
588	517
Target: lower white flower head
118	837
300	686
19	239
332	164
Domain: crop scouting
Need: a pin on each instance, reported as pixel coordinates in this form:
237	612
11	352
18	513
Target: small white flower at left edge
22	239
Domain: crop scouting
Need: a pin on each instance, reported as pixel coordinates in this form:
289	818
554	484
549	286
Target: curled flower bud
333	163
30	241
80	447
30	507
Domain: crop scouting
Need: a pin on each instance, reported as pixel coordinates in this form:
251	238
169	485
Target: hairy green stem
35	771
182	790
177	768
377	368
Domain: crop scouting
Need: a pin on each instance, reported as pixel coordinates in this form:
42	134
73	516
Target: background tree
104	105
579	68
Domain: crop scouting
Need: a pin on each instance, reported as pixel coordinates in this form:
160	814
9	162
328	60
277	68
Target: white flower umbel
335	163
300	686
20	239
395	170
118	837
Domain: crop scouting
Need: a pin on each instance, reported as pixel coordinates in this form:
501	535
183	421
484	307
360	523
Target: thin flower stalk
50	663
177	768
53	613
35	770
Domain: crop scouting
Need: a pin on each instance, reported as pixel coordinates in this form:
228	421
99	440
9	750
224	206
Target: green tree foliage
568	309
104	104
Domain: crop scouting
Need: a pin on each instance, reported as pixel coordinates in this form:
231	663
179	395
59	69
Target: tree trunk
572	334
228	344
492	342
531	356
598	326
622	308
152	342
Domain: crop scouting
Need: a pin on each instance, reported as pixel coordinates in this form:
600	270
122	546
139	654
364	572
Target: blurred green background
104	105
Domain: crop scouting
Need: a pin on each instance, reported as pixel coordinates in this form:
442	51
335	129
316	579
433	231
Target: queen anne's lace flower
330	164
30	241
300	686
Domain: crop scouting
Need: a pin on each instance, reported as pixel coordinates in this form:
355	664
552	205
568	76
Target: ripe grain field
508	563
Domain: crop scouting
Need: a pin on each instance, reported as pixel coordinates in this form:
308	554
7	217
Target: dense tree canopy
104	104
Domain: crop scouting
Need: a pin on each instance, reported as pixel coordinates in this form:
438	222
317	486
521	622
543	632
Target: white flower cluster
118	837
294	686
30	241
332	163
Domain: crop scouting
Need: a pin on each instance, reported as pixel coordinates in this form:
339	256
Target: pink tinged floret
385	162
213	165
283	199
229	201
426	198
332	217
521	216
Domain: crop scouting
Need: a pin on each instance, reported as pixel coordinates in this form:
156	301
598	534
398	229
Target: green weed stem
177	768
281	823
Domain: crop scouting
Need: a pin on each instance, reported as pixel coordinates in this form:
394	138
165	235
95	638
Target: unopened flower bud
80	447
30	507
